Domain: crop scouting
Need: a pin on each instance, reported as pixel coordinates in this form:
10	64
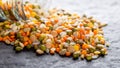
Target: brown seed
54	33
38	51
71	49
33	38
48	45
62	52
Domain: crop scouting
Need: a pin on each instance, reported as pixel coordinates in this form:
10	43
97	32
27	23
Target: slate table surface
107	11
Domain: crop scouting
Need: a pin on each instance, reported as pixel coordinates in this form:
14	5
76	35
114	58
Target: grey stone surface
104	10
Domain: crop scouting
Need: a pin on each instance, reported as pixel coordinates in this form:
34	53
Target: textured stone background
104	10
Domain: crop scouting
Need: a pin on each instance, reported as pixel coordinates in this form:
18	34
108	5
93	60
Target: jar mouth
12	10
2	15
16	9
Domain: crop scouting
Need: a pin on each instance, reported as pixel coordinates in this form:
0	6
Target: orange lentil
67	54
59	30
85	46
1	38
84	52
95	32
57	50
25	43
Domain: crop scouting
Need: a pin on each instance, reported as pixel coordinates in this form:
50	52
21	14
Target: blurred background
107	11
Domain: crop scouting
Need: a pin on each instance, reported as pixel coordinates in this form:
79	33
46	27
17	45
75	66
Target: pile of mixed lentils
55	31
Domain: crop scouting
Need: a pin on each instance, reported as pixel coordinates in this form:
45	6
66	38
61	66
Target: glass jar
18	10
